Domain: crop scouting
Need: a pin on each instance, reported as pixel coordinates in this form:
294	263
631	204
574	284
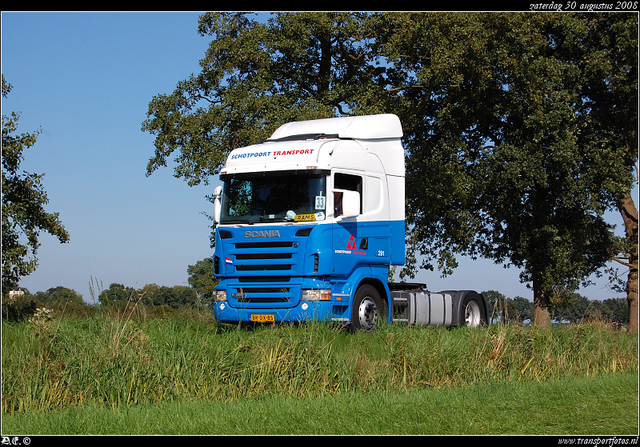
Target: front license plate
258	317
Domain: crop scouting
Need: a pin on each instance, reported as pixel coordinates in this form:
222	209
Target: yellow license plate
305	217
258	317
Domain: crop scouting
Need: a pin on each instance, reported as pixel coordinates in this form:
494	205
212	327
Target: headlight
221	295
316	294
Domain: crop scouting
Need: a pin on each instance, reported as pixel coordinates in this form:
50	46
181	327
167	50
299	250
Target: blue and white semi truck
308	224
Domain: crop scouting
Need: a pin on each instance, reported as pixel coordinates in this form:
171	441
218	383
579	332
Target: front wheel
368	309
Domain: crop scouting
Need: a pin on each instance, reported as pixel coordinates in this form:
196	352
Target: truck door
348	243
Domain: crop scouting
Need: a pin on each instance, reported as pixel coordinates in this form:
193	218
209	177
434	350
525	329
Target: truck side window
348	182
337	204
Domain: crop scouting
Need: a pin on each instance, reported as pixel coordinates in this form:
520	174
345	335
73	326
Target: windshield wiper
238	221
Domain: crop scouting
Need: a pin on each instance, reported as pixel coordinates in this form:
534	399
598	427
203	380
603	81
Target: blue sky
86	80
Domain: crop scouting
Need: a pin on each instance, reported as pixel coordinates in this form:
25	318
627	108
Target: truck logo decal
250	155
294	152
351	245
261	154
268	233
351	248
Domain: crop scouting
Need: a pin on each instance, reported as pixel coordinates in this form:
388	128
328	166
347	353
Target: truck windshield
274	198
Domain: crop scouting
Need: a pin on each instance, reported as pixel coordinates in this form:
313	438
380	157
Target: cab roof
369	127
320	145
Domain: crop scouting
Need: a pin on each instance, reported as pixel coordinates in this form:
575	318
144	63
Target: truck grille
245	293
276	244
265	271
262	256
253	258
253	268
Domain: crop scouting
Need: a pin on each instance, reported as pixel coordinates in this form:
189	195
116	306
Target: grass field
185	374
602	405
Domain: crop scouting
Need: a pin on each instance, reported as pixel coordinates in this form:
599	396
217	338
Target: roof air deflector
303	136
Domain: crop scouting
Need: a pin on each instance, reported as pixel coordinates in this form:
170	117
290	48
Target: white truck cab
308	223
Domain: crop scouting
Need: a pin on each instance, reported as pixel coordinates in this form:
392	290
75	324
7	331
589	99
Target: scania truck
308	223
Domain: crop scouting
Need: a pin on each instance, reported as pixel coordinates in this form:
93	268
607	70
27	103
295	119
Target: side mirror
217	204
349	202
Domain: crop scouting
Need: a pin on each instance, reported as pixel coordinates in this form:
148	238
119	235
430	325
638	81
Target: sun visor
277	156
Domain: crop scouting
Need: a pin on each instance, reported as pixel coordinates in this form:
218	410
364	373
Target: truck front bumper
304	311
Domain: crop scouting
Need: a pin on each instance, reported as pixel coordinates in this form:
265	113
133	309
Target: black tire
472	311
367	310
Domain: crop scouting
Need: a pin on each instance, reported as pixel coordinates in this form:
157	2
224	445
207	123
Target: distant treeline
575	309
20	306
501	308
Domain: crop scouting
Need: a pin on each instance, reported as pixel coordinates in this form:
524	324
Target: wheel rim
367	314
472	314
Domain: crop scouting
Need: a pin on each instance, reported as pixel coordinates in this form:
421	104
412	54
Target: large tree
508	156
256	76
516	160
612	87
23	200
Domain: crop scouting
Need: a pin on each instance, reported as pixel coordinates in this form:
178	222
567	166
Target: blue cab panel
264	270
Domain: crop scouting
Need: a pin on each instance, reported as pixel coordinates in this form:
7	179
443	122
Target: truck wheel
472	310
367	309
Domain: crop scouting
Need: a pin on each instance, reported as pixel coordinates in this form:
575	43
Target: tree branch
619	260
406	87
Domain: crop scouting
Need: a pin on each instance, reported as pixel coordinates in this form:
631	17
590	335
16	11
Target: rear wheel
472	311
368	309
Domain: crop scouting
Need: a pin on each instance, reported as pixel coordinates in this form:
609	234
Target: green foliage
18	306
150	295
202	279
59	295
256	76
508	310
175	297
23	305
118	298
116	293
573	308
23	200
517	162
63	300
578	307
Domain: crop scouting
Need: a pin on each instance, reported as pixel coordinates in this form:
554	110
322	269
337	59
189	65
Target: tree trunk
541	316
630	218
632	298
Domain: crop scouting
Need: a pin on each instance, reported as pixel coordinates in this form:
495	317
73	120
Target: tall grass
604	405
125	358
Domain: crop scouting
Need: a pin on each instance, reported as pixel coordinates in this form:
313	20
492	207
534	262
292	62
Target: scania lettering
308	224
269	233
